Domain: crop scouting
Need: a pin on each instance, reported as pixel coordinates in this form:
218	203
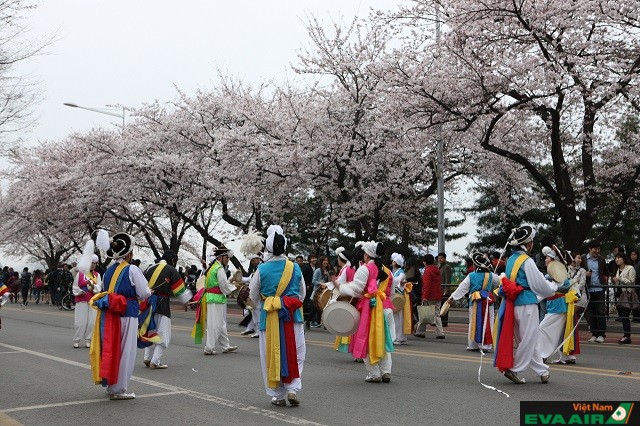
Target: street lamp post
99	110
440	160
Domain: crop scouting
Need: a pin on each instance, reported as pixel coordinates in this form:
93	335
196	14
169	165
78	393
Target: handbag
628	300
426	314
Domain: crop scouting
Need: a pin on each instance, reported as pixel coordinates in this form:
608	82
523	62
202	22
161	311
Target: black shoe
440	337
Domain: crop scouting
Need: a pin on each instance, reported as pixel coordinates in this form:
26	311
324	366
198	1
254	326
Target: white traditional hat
481	261
340	252
373	249
522	235
276	239
549	252
121	245
398	258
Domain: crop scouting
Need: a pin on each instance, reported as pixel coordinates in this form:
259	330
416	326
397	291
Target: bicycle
68	301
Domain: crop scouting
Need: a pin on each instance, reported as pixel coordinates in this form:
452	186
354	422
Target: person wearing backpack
38	284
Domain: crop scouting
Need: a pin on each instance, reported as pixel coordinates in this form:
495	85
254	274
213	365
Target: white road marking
86	401
171	389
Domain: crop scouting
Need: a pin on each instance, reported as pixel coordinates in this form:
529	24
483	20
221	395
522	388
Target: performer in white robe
479	284
553	325
128	281
525	307
272	292
84	287
214	295
399	282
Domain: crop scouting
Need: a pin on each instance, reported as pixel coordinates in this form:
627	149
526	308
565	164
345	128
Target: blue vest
476	280
270	273
526	297
557	306
123	287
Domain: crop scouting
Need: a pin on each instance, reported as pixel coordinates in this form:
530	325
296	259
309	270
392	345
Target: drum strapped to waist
321	298
243	298
341	318
397	300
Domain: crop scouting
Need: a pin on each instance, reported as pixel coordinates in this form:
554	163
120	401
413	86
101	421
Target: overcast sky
134	52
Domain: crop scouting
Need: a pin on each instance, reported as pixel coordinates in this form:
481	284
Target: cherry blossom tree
17	93
541	86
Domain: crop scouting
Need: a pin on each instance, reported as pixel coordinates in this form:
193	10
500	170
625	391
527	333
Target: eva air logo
621	414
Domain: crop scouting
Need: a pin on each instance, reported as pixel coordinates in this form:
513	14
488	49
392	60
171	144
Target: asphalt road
45	381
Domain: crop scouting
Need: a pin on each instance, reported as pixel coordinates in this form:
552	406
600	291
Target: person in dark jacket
431	294
597	272
25	285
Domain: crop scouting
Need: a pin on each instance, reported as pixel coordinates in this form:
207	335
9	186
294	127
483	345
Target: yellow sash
406	311
377	332
156	274
271	305
569	338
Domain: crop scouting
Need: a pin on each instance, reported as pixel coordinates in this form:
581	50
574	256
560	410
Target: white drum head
341	319
200	282
397	300
557	271
445	308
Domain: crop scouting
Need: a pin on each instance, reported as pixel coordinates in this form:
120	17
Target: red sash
111	339
504	353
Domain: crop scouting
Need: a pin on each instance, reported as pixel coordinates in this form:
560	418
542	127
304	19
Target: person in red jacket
431	294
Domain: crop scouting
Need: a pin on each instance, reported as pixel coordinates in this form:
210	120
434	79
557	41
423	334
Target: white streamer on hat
340	254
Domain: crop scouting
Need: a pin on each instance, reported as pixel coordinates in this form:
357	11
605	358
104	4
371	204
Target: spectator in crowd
321	276
594	264
25	285
66	282
55	281
468	262
445	275
412	271
431	295
13	284
307	273
612	266
38	284
578	277
499	265
634	256
624	277
45	289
